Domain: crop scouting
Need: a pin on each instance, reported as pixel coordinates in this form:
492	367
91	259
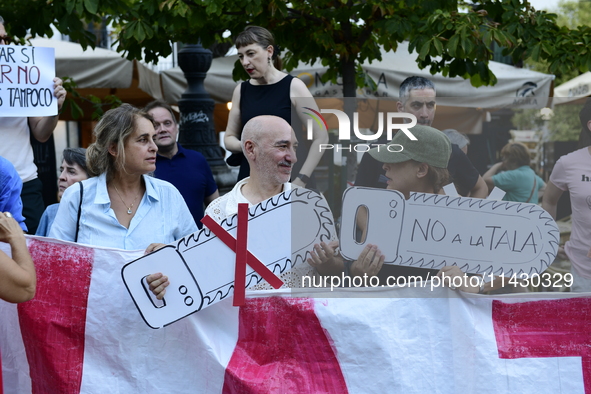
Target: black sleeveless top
271	99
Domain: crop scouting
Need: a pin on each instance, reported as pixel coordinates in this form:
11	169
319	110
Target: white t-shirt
16	146
227	205
573	173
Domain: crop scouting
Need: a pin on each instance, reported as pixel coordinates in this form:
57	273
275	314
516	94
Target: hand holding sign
27	83
59	92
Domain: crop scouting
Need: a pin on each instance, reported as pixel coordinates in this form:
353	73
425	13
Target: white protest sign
432	231
26	81
200	267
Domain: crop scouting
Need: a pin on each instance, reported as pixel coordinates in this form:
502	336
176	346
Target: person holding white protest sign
421	167
271	155
16	147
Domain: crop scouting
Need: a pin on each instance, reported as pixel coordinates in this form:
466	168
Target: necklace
129	208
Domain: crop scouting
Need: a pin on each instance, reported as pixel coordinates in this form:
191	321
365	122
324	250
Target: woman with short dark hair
270	91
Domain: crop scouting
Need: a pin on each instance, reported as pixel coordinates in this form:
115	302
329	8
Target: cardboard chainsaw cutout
433	231
200	267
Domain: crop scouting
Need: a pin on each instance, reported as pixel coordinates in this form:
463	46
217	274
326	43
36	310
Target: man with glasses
15	133
186	169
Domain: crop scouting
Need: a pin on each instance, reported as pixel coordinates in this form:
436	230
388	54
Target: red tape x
243	256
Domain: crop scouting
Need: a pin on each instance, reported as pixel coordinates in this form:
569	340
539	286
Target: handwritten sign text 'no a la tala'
26	81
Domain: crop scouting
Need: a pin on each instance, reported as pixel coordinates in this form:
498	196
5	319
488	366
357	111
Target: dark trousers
33	206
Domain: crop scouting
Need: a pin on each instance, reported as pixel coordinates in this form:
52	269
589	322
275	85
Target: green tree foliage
98	106
564	124
573	13
570	14
340	33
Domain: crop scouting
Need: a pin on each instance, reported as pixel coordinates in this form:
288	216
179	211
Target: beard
270	170
425	122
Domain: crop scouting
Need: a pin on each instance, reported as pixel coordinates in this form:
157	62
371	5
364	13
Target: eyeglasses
6	39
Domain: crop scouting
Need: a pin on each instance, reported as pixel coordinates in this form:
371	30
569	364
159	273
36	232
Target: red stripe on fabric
53	323
230	242
241	255
554	328
282	348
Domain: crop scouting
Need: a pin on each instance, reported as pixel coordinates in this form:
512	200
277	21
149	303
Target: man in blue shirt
186	169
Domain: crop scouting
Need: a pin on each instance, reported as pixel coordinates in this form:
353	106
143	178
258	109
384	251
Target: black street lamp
196	125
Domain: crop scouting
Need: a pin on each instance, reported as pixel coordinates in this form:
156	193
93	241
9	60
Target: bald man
269	144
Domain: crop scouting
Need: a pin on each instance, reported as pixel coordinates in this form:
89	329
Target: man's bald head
262	127
269	144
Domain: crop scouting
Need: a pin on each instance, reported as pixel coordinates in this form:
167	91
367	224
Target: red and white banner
83	334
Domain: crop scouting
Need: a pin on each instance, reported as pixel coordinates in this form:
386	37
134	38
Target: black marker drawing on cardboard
281	233
432	231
